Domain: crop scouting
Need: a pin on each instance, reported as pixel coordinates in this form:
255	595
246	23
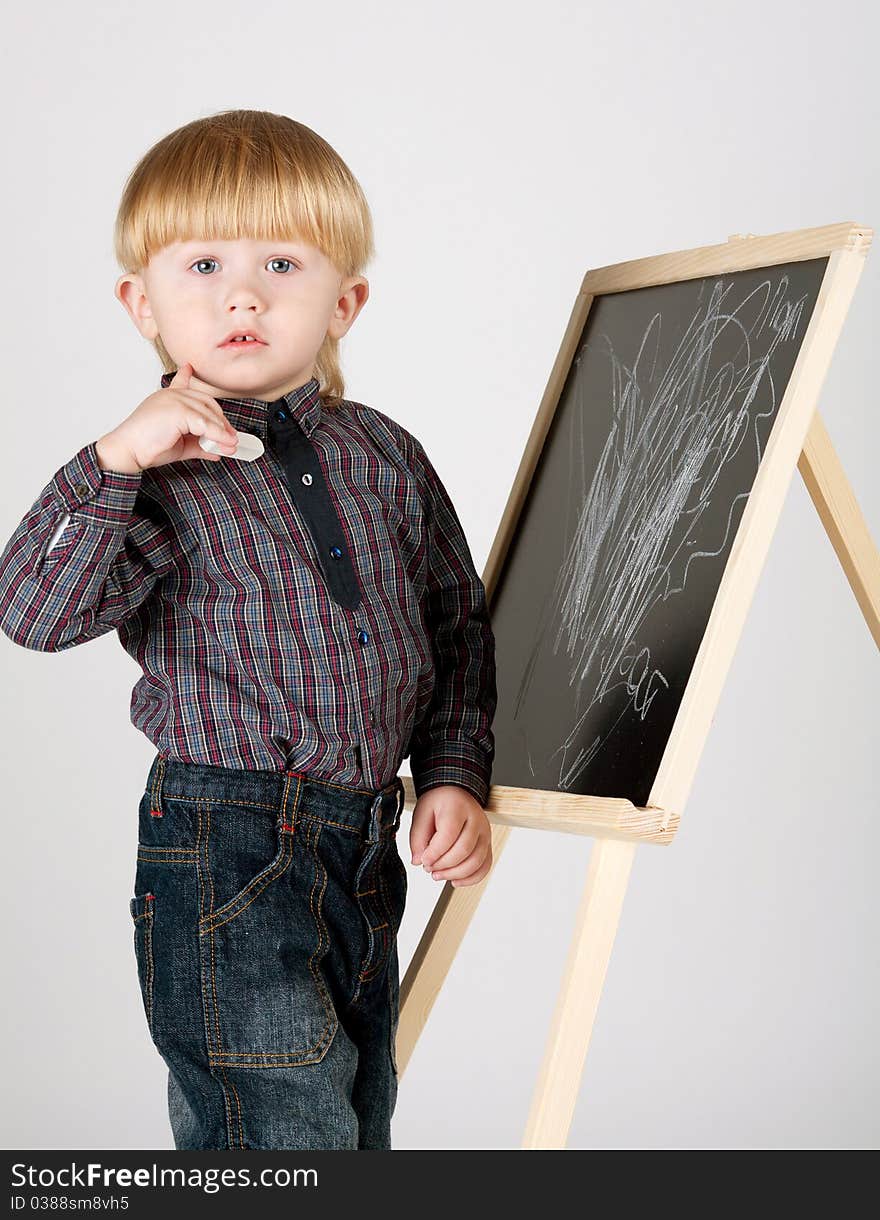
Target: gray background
504	150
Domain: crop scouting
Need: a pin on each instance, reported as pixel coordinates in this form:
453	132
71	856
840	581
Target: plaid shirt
315	610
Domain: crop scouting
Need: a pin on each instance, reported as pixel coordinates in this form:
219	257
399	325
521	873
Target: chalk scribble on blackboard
677	424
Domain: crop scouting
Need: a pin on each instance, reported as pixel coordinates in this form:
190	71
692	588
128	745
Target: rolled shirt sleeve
453	743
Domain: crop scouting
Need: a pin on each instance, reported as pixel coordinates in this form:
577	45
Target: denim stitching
317	915
157	855
147	943
206	1008
366	976
323	783
226	1079
386	898
278	865
194	800
157	784
363	976
327	783
217	1056
201	889
394	1022
148	949
262	1055
208	856
315	817
201	866
389	916
148	847
210	910
282	859
289	1058
293	1057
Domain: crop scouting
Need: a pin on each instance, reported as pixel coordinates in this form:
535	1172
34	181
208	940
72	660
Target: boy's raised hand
450	835
166	428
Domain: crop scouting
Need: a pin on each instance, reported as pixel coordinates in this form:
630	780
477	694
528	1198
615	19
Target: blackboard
615	562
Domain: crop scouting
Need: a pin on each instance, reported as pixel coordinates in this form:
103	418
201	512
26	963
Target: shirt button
363	636
281	414
372	718
336	552
81	489
307	479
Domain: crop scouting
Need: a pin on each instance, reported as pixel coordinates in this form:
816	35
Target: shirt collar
301	405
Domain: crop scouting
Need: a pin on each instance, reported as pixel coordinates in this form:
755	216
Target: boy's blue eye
291	265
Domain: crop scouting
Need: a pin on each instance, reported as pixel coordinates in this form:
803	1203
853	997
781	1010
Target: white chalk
249	447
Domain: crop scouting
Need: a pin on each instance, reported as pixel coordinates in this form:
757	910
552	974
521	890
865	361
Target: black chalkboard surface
610	577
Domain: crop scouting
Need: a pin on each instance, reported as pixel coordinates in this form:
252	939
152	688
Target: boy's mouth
242	338
250	344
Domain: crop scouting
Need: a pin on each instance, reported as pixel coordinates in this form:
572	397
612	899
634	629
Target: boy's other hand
166	428
450	836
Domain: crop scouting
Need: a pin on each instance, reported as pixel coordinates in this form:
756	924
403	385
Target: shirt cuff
454	762
102	497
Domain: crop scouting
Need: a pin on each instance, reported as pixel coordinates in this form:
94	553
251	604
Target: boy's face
286	293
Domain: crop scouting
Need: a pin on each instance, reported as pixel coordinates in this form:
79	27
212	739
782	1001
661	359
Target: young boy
304	620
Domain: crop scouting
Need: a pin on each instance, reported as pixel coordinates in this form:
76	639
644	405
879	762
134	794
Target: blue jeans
266	909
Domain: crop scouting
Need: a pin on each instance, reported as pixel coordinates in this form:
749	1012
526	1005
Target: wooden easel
799	437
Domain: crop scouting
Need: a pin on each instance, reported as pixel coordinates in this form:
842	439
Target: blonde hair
250	174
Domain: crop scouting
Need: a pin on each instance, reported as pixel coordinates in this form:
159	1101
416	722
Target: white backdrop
504	149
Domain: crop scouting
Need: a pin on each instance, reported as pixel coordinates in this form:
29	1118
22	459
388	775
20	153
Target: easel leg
832	494
559	1080
436	950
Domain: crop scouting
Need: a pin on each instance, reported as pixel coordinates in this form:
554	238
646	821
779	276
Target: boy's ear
131	291
354	292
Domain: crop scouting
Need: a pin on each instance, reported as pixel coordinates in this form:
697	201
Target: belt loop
375	819
379	821
288	814
400	793
156	808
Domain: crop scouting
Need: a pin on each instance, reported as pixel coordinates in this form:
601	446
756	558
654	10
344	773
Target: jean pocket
235	848
142	908
266	1001
245	851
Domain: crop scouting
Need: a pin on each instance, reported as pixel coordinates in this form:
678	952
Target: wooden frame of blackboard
797	440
